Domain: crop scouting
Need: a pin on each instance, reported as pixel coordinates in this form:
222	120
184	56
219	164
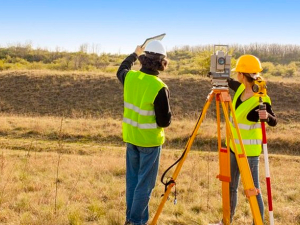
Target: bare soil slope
96	95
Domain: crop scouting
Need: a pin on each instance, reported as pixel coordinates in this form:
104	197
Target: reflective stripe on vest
245	126
249	142
139	125
138	110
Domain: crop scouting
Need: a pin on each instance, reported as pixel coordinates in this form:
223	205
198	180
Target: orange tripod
222	96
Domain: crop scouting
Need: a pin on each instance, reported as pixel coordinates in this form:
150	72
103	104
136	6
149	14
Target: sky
118	26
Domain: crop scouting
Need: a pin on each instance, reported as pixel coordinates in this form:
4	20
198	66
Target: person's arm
126	66
128	63
233	84
162	108
268	114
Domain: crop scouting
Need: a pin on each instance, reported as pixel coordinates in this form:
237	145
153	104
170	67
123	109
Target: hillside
97	95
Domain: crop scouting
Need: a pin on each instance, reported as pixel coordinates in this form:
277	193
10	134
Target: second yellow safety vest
250	131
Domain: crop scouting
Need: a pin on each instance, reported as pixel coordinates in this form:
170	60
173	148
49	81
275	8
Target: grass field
62	159
91	188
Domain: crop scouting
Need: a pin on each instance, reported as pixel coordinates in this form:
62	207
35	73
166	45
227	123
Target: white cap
156	47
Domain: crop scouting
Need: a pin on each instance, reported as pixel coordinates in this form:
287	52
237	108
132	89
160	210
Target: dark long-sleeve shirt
253	114
161	103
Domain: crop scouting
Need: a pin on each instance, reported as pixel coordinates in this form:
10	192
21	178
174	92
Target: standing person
248	116
146	112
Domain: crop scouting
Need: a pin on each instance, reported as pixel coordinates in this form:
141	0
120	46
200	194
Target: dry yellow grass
91	188
32	132
91	173
91	178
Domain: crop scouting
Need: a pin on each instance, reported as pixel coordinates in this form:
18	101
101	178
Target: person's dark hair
248	77
155	62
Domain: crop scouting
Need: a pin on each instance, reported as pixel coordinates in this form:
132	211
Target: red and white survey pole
266	157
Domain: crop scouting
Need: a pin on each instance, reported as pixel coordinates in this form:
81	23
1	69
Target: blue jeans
235	178
141	172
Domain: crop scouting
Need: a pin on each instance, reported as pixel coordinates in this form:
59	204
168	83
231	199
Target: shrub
268	67
1	65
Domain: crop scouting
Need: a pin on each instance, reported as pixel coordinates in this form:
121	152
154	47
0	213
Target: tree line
277	59
25	57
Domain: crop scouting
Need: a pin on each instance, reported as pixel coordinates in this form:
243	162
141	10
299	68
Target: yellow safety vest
139	121
250	131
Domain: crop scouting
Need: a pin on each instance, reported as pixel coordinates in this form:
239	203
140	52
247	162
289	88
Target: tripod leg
187	149
224	168
243	165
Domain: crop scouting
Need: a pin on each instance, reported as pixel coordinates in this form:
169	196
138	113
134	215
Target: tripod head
220	63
